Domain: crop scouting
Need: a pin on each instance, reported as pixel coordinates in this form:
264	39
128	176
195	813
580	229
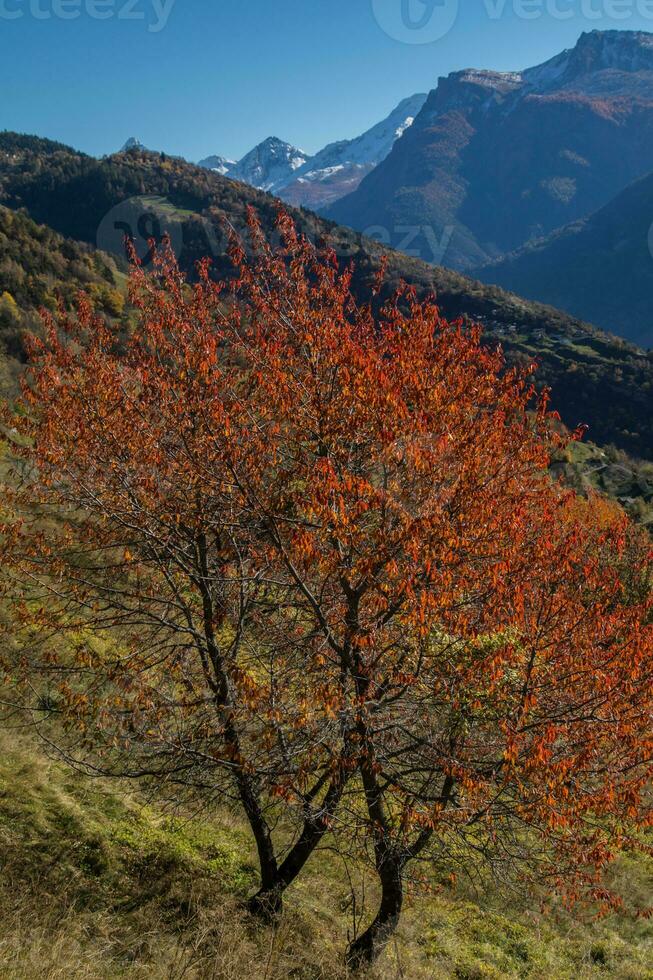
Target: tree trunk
389	862
267	904
268	901
372	942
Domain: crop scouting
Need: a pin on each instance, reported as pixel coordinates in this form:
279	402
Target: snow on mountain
270	165
318	180
598	61
220	165
132	144
595	52
340	167
373	146
611	62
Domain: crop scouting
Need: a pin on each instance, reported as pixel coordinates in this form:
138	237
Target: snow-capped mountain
220	165
331	173
602	60
270	165
132	144
497	159
339	168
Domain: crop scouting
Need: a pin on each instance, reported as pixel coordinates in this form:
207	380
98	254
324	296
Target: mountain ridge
496	159
339	167
315	180
269	165
599	268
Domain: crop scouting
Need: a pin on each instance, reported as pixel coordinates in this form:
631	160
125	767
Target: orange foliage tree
333	579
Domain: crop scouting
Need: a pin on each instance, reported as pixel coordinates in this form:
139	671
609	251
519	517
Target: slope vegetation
95	882
597	379
39	269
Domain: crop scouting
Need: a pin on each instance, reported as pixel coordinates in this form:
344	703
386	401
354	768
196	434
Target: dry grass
96	884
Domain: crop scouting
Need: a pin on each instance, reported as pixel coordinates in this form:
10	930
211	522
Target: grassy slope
585	466
95	883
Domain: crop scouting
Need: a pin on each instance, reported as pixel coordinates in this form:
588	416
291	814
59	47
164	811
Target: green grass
97	883
165	207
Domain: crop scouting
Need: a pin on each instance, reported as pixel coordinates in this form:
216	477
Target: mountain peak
133	144
338	168
622	50
623	39
274	141
595	51
220	165
270	165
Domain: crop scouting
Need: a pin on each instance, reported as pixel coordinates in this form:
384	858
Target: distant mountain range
495	160
317	180
339	168
313	181
521	178
270	165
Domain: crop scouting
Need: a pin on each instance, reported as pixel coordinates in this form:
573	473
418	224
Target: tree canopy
304	553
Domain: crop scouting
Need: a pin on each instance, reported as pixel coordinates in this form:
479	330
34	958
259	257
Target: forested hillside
39	269
597	379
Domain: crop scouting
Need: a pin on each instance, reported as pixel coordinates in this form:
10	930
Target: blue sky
195	77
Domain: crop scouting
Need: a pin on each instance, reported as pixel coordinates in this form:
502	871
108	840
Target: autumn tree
141	597
331	575
481	631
